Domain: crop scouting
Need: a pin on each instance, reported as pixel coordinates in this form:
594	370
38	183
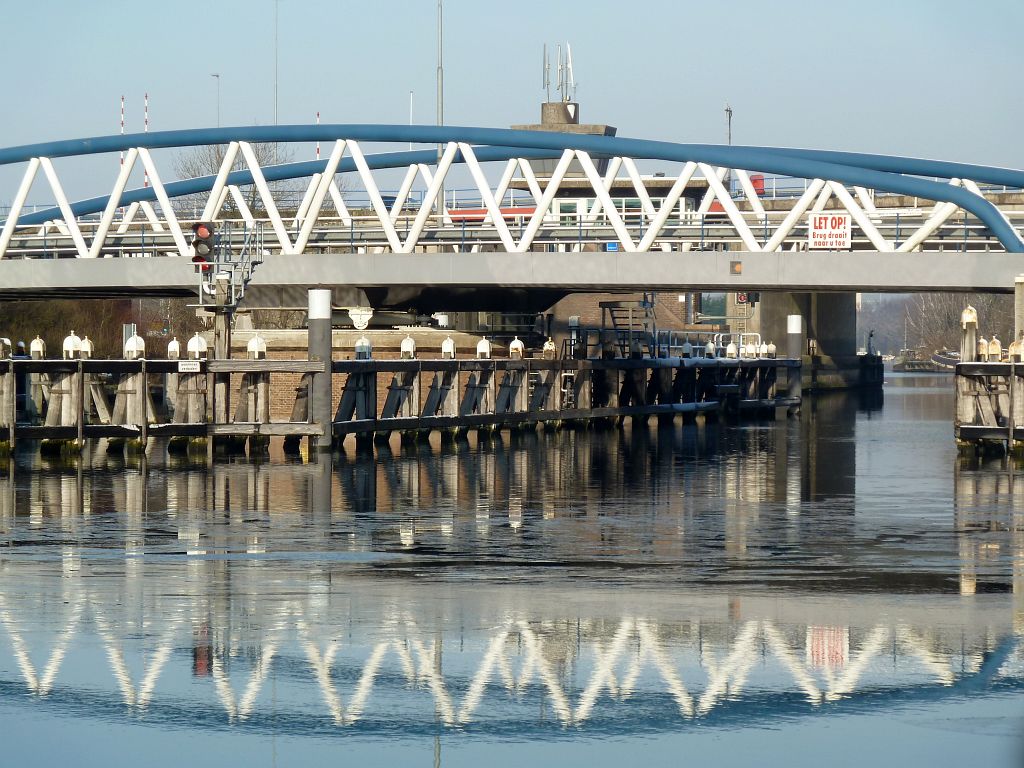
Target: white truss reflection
522	656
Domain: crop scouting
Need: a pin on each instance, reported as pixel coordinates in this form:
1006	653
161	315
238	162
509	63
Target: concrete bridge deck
868	271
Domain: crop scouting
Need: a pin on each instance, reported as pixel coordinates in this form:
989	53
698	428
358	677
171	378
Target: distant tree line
930	320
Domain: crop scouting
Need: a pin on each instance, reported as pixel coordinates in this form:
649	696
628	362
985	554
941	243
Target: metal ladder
238	252
632	322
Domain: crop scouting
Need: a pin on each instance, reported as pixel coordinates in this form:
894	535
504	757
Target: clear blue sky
935	78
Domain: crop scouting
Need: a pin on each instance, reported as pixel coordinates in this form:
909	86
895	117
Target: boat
913	361
946	359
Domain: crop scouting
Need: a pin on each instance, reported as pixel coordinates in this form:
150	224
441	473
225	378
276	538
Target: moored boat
912	361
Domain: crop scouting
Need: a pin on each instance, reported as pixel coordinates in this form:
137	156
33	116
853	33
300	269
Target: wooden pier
989	411
226	401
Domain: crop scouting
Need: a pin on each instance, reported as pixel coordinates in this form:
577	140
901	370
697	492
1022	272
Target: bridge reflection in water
622	582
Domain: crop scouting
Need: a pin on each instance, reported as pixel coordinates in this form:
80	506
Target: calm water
837	590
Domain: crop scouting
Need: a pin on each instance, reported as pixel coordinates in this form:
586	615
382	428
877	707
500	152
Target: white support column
860	217
503	184
65	207
216	199
307	197
339	204
112	202
154	221
18	203
531	179
940	214
324	182
823	198
240	204
866	200
609	207
375	199
533	226
428	178
610	174
268	200
165	203
668	206
748	190
793	217
433	189
129	217
638	184
498	221
710	196
741	227
403	191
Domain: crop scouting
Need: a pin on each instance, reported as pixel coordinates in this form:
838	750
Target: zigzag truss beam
664	225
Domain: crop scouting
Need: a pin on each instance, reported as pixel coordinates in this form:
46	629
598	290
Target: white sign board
828	231
188	366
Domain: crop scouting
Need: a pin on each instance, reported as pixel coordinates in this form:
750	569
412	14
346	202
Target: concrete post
221	347
171	383
969	336
794	351
9	403
1018	306
319	343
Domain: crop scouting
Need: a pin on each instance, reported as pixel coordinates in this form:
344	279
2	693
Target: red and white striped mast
145	129
122	126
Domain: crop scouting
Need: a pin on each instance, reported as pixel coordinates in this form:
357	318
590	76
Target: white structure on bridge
592	200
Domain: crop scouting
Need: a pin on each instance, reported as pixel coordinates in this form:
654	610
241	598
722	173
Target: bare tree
206	160
933	319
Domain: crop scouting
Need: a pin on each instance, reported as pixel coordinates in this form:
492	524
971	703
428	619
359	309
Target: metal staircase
632	323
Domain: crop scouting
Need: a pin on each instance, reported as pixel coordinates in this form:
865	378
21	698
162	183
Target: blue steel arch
883	172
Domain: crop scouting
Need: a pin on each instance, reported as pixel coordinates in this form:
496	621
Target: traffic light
202	245
753	297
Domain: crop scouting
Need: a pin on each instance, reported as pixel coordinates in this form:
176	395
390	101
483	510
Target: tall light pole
728	140
410	117
276	3
440	94
217	75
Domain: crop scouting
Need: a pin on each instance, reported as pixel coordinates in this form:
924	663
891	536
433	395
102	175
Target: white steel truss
704	207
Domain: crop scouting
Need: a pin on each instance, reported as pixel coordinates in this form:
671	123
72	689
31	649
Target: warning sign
828	231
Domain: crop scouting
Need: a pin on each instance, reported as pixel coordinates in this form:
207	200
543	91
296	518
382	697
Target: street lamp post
440	96
217	75
276	3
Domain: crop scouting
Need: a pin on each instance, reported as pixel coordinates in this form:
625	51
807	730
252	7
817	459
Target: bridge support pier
319	340
829	324
794	350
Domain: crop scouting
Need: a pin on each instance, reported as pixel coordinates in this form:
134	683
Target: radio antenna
546	73
570	89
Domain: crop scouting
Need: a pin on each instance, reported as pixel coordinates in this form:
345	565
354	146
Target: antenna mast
546	73
570	88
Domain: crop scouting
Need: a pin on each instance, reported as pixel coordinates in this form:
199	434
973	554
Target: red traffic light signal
202	245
